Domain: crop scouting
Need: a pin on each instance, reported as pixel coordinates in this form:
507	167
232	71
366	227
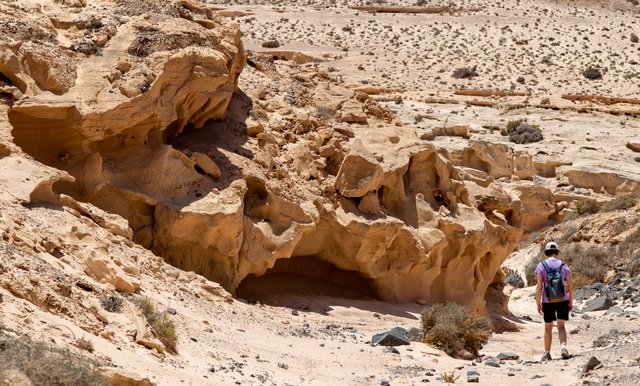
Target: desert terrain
246	192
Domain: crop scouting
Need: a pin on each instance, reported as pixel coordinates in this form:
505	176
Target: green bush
587	207
453	329
46	365
160	322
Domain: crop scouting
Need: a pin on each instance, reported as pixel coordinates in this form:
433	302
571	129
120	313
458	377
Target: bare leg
548	328
562	332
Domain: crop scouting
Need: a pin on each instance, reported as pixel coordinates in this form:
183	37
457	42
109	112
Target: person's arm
539	294
571	290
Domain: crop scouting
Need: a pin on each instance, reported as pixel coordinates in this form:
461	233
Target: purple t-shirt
553	263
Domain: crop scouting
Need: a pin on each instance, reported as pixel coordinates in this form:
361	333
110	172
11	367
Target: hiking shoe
565	353
545	357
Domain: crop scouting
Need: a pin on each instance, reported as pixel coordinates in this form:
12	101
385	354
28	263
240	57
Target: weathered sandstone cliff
316	174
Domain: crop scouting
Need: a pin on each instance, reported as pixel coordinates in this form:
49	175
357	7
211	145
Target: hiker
554	297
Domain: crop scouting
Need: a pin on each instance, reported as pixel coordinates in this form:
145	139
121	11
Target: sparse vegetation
325	112
271	44
452	328
283	366
112	303
587	207
160	322
450	377
592	73
624	202
464	73
588	265
84	344
530	269
525	133
46	365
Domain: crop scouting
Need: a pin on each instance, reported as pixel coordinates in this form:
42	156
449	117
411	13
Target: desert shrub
84	344
159	321
112	303
592	73
450	377
453	329
325	112
46	365
590	262
587	207
633	268
464	73
624	202
530	269
271	44
525	133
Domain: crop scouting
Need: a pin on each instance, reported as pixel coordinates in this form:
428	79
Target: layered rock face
295	167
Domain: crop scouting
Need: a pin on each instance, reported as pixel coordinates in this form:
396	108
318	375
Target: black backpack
554	287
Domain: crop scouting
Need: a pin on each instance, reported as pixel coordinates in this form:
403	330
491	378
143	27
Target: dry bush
624	202
633	268
525	133
84	344
530	270
592	73
450	377
587	207
112	303
464	73
160	322
271	44
453	329
592	262
46	365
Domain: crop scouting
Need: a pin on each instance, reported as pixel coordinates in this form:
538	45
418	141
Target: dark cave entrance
306	276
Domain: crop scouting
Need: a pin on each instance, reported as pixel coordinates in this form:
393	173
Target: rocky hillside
146	156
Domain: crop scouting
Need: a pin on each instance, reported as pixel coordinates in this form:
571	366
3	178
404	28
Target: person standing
554	298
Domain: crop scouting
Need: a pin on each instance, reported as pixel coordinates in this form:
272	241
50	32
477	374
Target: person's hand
540	309
570	305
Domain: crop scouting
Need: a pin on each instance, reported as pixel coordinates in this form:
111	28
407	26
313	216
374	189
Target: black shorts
553	311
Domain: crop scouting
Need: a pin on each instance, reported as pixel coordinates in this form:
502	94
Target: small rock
508	356
473	379
537	376
294	313
172	311
492	362
591	364
391	350
614	311
384	382
194	339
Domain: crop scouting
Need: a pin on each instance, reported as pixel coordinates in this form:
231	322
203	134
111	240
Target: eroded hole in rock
306	275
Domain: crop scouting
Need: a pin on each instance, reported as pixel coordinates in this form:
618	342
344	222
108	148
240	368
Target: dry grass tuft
47	365
160	322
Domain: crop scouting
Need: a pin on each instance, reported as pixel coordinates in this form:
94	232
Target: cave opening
306	276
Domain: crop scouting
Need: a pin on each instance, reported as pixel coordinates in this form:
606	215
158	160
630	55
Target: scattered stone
294	312
598	304
172	311
537	376
591	364
394	337
391	350
614	311
508	356
384	382
492	362
515	280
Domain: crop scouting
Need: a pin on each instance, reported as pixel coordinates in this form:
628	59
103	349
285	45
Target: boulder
114	376
358	175
598	304
394	337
